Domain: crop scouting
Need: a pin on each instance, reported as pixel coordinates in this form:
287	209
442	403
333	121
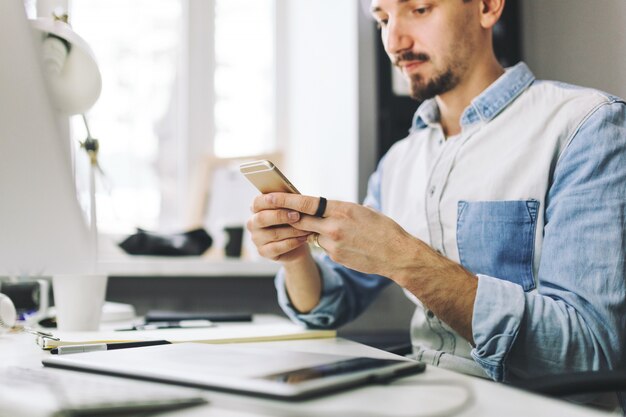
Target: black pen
180	324
62	350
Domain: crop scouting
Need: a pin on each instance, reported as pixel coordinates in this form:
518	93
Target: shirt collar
487	105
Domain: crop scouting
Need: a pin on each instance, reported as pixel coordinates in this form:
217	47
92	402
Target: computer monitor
42	228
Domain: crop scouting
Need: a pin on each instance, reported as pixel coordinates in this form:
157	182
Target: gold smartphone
266	177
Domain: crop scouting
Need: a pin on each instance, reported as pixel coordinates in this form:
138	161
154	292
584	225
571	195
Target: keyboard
45	392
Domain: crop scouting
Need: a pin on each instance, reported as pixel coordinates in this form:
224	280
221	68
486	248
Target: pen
173	316
62	350
181	324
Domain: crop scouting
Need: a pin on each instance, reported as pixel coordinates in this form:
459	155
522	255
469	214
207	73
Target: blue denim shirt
532	199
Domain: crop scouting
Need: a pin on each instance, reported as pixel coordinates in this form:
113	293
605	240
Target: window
182	79
244	77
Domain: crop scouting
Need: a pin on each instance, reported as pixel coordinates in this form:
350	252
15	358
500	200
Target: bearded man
502	215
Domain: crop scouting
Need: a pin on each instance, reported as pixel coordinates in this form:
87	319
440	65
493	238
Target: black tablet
263	371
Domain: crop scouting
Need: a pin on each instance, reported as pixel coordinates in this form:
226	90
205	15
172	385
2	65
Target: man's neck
452	103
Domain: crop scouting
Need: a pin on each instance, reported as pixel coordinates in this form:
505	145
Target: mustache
410	56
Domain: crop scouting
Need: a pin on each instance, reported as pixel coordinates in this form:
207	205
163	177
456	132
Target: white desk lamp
43	228
69	65
74	83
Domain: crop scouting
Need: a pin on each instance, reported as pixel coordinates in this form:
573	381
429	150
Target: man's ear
490	12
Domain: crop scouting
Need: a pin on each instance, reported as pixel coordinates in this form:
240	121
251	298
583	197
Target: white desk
201	267
112	260
426	394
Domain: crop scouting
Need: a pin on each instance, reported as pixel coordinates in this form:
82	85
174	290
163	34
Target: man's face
431	41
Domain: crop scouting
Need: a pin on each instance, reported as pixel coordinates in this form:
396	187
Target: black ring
321	208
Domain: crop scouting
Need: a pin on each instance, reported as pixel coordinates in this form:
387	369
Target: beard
440	83
443	82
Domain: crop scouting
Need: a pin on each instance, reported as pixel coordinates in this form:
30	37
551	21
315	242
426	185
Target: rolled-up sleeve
575	321
345	293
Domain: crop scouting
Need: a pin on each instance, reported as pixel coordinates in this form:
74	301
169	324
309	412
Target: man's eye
422	10
381	24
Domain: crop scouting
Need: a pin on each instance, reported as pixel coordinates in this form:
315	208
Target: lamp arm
91	146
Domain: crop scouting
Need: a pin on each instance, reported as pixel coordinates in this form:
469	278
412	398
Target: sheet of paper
238	333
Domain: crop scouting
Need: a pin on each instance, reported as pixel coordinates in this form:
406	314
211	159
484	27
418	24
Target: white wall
321	93
578	41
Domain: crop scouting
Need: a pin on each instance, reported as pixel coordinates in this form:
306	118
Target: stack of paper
227	333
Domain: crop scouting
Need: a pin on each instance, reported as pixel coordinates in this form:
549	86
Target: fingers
282	222
297	202
275	234
268	218
276	250
272	234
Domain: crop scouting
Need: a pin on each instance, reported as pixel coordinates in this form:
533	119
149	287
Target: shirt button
430	314
432	190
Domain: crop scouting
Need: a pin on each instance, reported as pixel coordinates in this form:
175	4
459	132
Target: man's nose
397	39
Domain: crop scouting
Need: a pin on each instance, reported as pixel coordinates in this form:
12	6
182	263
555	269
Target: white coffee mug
78	300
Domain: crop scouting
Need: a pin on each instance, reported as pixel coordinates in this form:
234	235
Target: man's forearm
443	286
303	282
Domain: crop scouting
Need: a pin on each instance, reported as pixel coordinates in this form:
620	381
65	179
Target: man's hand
271	227
362	239
272	233
352	235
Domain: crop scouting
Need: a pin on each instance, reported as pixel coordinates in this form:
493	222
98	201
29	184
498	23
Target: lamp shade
75	89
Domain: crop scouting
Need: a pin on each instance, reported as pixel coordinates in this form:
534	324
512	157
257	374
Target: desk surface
113	261
201	267
435	392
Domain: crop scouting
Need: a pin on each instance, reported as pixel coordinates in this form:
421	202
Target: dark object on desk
191	243
393	341
235	240
576	383
48	322
160	315
179	324
26	296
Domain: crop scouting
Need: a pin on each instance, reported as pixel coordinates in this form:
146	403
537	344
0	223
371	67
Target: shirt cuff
325	314
498	311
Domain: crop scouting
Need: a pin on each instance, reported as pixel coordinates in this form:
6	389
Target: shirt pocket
497	238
